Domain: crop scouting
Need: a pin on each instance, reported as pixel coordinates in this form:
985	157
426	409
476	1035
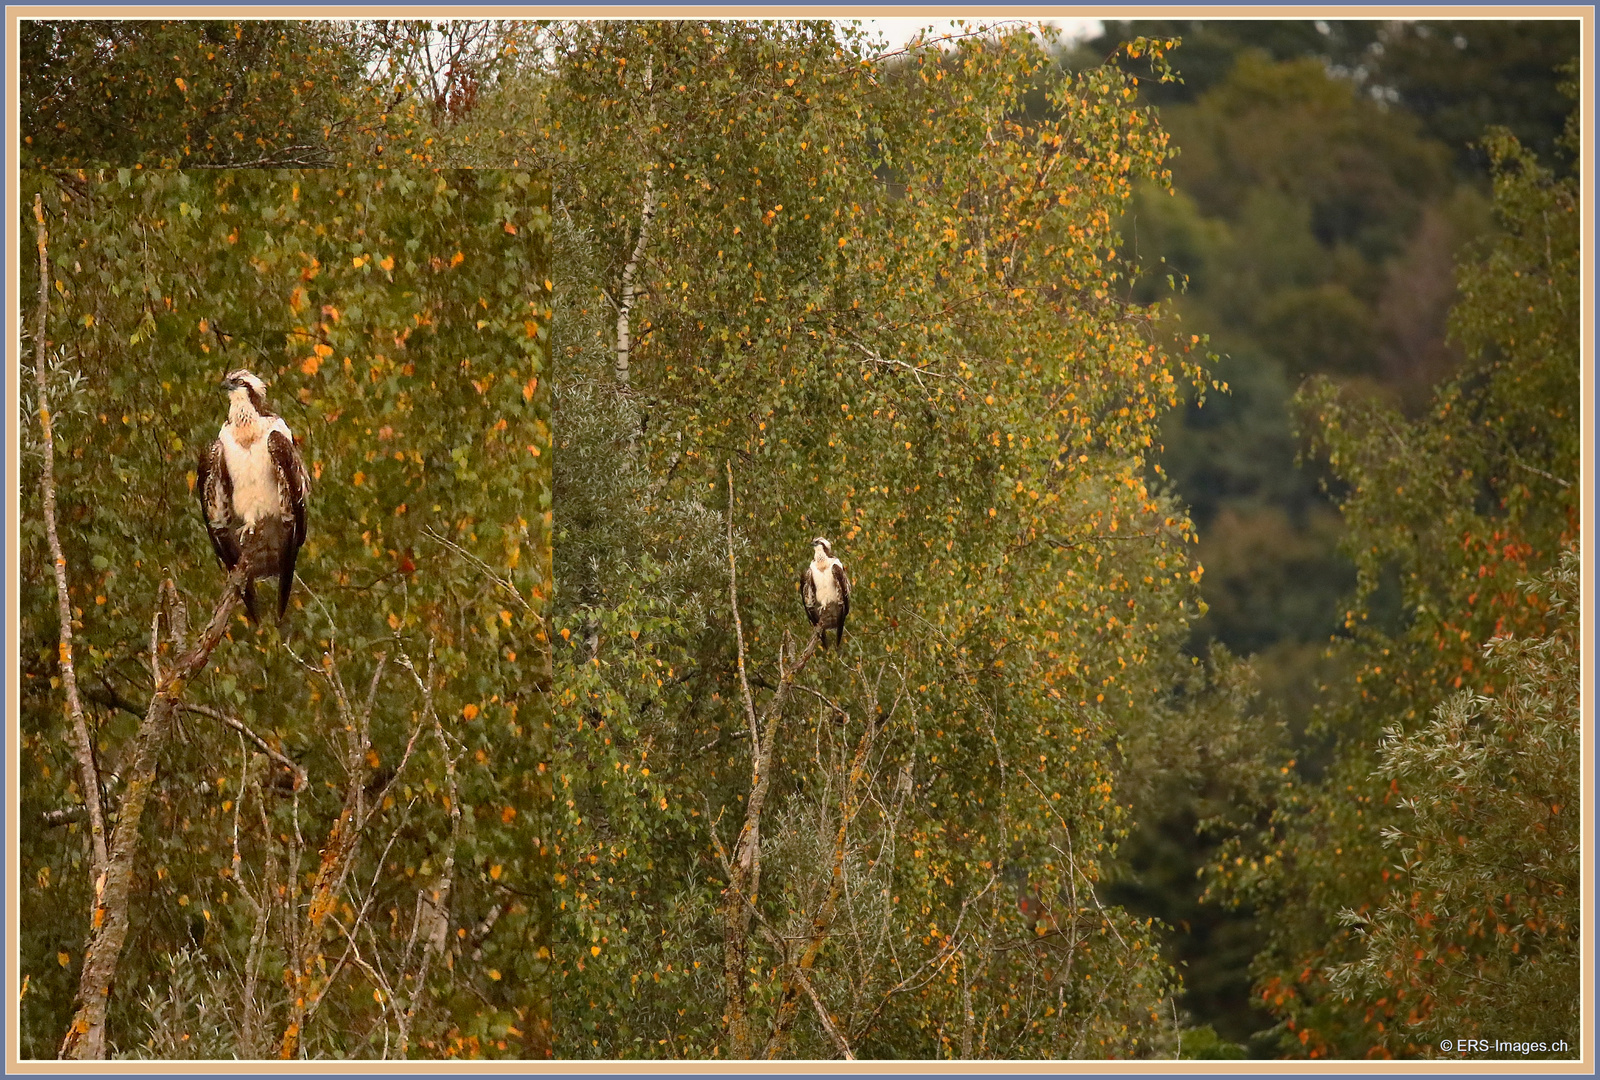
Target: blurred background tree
1329	180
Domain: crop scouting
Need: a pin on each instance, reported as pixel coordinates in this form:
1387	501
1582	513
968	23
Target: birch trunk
630	272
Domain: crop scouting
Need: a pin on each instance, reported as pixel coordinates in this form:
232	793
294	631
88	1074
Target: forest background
1097	378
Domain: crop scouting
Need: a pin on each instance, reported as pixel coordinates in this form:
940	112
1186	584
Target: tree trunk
86	1037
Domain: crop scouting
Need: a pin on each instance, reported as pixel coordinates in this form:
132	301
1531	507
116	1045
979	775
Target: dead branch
738	629
108	696
86	1036
822	1015
338	851
82	745
744	883
822	922
479	563
243	729
438	939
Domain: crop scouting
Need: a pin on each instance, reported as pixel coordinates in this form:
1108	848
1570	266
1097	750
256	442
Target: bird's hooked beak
230	384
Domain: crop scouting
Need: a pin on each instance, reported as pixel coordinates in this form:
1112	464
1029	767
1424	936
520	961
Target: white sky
900	29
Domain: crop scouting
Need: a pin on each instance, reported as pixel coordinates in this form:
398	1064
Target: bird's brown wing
294	485
215	488
808	595
842	580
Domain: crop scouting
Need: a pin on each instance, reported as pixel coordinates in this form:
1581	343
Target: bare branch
82	745
86	1037
738	628
822	1015
479	563
243	729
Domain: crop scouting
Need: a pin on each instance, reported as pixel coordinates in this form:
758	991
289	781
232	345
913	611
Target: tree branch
744	884
86	1037
82	745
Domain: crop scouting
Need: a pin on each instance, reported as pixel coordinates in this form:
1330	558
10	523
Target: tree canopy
395	722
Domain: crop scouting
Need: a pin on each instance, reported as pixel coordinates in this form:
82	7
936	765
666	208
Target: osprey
825	591
252	487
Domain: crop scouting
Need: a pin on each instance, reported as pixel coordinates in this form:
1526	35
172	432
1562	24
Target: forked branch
86	1037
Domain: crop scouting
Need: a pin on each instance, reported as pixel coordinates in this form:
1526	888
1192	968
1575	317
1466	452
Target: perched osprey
825	591
252	487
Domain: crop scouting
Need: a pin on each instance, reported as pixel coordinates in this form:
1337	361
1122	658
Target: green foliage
1203	1044
1481	921
1457	77
178	94
1448	515
401	321
893	311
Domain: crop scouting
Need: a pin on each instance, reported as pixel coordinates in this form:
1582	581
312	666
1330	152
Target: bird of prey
825	591
252	487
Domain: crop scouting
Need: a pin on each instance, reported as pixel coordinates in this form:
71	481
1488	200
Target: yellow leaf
182	85
493	974
494	872
310	365
456	259
357	478
63	959
88	320
469	711
322	350
594	950
387	262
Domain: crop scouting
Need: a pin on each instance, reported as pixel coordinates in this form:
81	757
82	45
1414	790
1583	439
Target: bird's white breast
252	470
822	579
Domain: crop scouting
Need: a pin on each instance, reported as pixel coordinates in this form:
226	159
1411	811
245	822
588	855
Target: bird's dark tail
285	579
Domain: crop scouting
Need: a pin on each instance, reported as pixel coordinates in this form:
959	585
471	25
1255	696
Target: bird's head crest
244	380
827	548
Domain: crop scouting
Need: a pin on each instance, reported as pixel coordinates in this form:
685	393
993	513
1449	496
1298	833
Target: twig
244	730
916	372
1519	463
82	745
470	557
